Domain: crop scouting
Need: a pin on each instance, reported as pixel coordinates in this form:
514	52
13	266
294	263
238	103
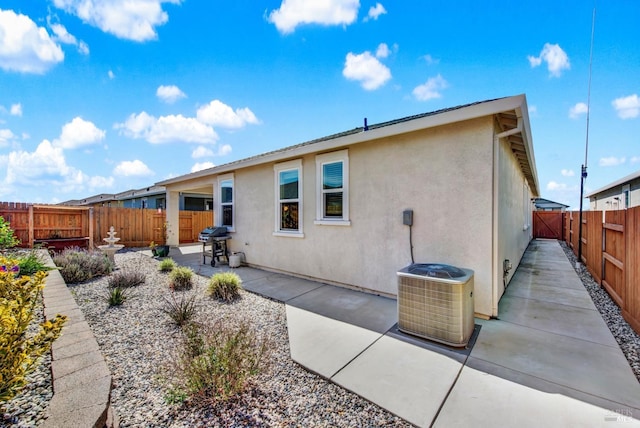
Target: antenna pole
583	170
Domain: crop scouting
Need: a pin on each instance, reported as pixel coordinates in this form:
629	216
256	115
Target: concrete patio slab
586	324
364	310
578	364
323	344
404	379
280	287
549	293
479	399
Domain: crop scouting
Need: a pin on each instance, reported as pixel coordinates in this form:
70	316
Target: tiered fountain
112	247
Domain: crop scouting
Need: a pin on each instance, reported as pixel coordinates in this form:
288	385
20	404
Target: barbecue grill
216	239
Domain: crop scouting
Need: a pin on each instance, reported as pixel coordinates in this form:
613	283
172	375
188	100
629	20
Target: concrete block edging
82	381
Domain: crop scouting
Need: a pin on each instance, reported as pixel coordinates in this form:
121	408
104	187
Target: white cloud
577	110
567	173
635	159
430	89
169	94
375	12
324	12
127	19
611	161
552	185
202	165
63	36
556	59
25	47
111	75
224	150
382	51
16	109
533	109
78	133
217	113
46	167
366	69
6	137
135	168
201	152
167	129
430	60
627	107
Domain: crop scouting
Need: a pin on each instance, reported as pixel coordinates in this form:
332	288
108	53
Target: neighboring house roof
91	199
622	181
542	203
512	118
140	193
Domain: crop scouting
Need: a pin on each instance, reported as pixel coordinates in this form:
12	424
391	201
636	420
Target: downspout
496	212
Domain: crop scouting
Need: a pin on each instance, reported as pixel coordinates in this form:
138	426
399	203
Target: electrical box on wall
407	217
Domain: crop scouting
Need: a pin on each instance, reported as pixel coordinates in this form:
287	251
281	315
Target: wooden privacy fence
611	254
135	227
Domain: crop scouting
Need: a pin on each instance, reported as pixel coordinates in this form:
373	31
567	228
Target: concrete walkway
549	360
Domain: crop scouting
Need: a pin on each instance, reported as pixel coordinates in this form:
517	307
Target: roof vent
366	127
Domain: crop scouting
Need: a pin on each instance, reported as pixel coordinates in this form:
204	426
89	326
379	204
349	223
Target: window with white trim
332	192
226	196
288	194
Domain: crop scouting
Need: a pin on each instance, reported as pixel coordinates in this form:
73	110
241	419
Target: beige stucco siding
444	174
514	228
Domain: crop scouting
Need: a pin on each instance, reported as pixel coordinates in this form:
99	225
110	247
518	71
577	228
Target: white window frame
339	156
221	179
282	167
626	195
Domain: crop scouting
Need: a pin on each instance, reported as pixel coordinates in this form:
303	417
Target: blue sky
102	96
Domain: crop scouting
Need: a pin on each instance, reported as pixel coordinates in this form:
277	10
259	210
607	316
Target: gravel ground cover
137	339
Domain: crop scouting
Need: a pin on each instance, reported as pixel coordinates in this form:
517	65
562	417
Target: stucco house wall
468	191
513	224
442	175
614	195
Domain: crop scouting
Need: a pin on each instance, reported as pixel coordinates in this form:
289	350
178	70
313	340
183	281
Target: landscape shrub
126	279
215	363
20	346
7	237
78	265
30	262
180	309
167	265
180	278
116	296
225	286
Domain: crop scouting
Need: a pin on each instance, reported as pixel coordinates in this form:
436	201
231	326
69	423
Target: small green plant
78	265
181	278
116	296
167	265
7	237
215	363
21	350
225	286
31	262
182	309
126	279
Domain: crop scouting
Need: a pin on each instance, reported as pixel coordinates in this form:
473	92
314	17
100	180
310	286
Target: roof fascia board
431	121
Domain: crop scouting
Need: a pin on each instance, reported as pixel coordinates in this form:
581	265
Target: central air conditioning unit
435	302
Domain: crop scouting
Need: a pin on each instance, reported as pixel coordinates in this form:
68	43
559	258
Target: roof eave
473	111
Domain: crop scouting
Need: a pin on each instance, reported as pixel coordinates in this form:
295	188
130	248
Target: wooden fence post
31	233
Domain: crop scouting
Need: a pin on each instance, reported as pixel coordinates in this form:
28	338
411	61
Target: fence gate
547	224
